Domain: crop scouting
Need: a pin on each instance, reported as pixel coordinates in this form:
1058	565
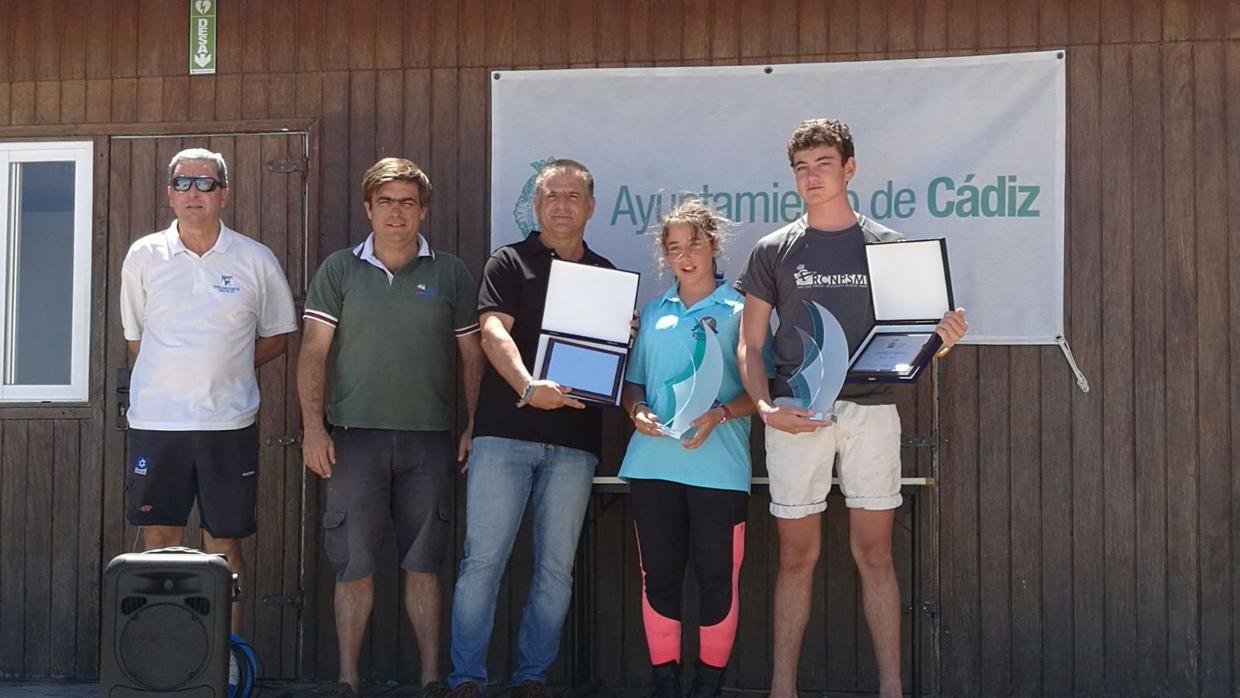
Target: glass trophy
693	391
824	364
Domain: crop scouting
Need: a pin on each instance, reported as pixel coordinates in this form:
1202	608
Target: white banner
971	149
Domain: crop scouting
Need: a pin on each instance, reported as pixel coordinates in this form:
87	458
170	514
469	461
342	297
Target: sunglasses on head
203	184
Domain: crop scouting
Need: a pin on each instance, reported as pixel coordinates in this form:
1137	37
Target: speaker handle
183	550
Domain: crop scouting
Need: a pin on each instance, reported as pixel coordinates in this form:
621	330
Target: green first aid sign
202	37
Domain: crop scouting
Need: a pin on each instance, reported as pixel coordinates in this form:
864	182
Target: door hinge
919	441
294	600
289	165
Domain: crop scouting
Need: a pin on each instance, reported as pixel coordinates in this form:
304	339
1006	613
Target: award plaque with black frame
584	342
910	286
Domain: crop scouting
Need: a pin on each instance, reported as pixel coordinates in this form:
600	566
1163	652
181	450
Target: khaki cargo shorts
867	440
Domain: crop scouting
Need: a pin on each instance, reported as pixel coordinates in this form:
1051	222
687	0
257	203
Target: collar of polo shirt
672	294
366	252
222	243
536	237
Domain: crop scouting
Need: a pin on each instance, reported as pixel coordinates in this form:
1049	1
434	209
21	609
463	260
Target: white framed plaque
584	342
910	286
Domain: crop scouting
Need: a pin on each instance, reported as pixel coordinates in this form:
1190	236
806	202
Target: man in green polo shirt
384	322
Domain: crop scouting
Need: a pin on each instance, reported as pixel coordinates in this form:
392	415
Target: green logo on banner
202	37
523	212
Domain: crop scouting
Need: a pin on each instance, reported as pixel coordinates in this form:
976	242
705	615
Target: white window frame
81	153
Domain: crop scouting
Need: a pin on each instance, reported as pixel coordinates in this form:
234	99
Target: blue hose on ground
247	668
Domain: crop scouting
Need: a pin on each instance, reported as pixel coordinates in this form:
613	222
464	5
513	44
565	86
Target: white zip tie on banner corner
1081	381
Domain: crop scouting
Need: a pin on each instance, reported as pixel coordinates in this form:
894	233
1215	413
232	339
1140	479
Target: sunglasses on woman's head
203	184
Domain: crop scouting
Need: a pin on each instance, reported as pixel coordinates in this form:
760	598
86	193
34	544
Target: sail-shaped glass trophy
824	364
694	390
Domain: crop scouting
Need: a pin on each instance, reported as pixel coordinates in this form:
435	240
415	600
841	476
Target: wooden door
267	174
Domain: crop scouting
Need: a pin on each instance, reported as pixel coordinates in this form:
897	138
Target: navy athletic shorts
168	470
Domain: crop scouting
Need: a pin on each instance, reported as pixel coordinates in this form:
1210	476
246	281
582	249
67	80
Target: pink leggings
677	524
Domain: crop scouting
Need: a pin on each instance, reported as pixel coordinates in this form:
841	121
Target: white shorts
867	439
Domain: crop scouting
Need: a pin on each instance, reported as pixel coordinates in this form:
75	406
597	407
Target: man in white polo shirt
202	306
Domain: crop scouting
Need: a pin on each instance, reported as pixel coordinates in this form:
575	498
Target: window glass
40	304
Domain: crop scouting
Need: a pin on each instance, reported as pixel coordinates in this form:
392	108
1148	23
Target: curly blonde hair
706	221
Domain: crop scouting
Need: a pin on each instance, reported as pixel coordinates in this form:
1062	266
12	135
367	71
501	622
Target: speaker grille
132	603
200	604
163	647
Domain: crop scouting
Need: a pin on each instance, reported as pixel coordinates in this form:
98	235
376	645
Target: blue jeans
503	475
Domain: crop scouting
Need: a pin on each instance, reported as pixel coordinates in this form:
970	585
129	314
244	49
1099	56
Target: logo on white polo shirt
227	284
139	467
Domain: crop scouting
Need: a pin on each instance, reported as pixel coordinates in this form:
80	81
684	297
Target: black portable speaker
165	625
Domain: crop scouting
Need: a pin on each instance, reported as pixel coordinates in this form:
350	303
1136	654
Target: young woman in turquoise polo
689	494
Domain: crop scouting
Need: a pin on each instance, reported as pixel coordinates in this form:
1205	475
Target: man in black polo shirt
533	442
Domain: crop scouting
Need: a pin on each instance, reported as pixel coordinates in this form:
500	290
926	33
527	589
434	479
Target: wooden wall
1086	542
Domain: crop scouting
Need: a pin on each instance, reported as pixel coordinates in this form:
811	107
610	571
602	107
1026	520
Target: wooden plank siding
1075	544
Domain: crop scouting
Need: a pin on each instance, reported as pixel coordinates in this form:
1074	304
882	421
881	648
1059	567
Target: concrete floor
270	689
290	689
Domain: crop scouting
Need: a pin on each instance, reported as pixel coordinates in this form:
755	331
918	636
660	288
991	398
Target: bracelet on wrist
527	391
633	412
727	413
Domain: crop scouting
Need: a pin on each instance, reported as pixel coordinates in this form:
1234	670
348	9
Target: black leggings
676	523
